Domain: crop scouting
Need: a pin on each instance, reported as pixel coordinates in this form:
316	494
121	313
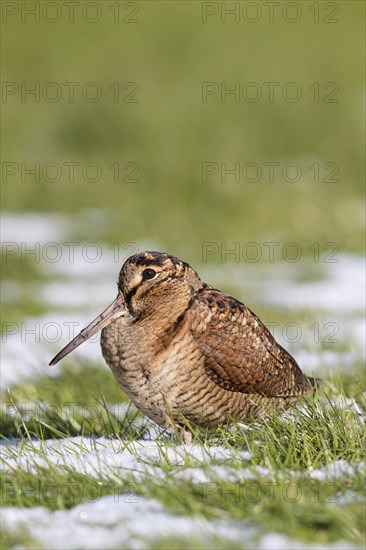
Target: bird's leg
185	435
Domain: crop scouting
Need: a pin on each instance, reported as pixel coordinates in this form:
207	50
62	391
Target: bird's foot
185	435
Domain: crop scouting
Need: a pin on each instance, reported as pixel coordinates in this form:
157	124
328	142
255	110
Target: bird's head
149	283
152	280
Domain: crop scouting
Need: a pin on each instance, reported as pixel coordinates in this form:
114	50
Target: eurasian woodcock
180	348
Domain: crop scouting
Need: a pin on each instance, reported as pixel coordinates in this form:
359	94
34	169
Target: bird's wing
240	354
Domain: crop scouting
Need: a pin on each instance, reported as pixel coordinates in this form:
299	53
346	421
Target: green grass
292	504
285	499
80	402
15	269
304	513
175	543
291	445
300	507
169	133
16	539
81	385
72	404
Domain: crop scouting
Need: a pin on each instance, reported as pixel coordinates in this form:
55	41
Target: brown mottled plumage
180	348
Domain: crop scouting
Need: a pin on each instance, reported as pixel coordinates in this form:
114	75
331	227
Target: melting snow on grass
128	519
131	521
116	522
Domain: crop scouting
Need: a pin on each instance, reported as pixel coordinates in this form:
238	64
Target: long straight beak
115	310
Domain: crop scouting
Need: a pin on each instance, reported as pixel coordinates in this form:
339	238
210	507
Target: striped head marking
147	278
149	283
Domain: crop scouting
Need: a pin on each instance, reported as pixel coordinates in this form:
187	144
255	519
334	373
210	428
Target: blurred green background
150	61
169	131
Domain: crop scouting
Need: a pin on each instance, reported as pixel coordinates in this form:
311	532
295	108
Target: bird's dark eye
148	273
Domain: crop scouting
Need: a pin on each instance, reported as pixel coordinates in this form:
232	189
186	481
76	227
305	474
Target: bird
186	353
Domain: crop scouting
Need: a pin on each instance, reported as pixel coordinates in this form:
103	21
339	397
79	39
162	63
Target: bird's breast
149	367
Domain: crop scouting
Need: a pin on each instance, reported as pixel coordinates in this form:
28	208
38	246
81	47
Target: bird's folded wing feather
240	354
